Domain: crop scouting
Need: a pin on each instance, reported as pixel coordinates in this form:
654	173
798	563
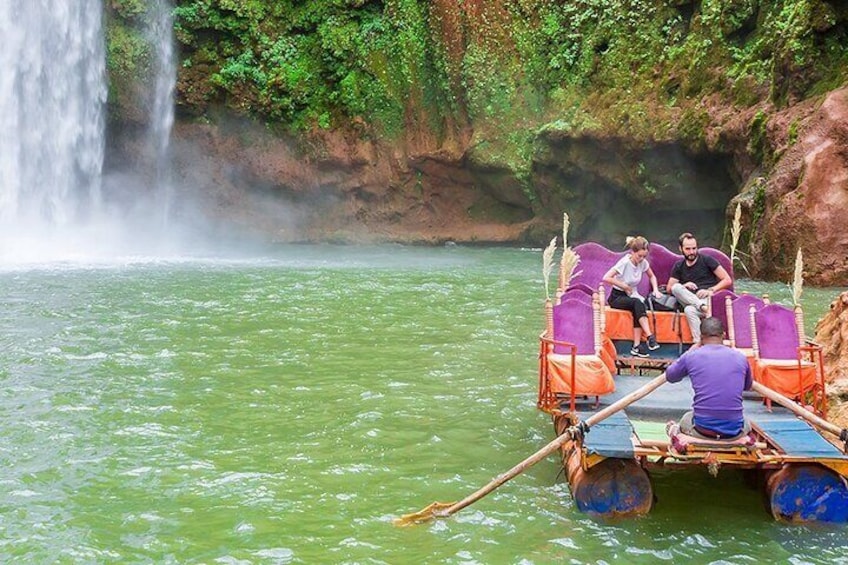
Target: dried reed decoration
548	265
798	279
569	260
735	231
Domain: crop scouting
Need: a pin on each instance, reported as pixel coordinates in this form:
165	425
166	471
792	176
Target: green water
284	408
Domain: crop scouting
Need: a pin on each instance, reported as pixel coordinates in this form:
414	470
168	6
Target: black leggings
618	299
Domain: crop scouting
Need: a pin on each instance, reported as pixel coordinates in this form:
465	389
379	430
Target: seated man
693	280
719	374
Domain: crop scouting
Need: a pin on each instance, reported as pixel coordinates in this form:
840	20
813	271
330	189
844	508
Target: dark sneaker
652	343
638	352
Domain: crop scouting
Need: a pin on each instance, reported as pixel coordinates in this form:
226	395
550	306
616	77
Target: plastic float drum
807	493
613	487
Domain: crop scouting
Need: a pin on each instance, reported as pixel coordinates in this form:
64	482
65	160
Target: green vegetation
792	133
316	64
128	52
639	68
757	142
758	209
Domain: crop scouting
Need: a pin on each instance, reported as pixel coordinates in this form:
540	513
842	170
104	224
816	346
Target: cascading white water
162	118
52	97
53	94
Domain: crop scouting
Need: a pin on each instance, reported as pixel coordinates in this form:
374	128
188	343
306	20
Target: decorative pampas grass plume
735	231
798	280
569	259
548	265
569	262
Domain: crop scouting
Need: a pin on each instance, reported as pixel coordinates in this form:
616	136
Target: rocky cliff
832	334
482	121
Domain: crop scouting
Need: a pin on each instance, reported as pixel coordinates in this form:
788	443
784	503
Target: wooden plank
610	438
797	438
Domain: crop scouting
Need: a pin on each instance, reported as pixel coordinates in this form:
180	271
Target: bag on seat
665	303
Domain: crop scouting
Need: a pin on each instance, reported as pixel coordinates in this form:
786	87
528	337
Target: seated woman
624	277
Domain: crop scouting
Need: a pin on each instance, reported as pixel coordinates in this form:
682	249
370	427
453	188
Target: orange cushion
748	352
619	325
783	376
592	377
666	328
608	353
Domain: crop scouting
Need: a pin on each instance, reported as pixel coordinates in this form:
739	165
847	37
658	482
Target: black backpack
666	303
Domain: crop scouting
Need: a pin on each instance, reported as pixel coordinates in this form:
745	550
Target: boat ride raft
586	373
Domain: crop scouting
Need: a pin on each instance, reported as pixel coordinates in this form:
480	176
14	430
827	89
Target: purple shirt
719	374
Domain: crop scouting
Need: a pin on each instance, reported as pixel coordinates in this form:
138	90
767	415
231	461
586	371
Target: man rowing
719	374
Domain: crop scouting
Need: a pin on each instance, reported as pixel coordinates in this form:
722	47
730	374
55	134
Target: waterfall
162	117
52	96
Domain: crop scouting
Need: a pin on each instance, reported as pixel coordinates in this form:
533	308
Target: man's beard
691	257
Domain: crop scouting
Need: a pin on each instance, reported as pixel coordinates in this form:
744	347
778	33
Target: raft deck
782	436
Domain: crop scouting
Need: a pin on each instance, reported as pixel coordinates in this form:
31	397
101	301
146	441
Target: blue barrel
807	493
614	487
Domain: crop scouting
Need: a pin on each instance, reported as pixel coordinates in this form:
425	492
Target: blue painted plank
610	437
796	437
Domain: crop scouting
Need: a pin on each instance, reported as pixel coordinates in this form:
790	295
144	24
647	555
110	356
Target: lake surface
285	407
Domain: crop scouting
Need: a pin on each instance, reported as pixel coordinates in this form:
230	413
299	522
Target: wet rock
339	186
832	334
804	197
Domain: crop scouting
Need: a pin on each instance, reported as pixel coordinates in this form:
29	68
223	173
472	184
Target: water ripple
285	410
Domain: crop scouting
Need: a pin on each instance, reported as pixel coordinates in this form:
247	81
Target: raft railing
547	398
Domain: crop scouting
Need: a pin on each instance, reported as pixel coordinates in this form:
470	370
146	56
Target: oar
446	509
803	413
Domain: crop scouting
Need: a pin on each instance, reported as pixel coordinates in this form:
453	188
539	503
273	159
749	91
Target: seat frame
811	350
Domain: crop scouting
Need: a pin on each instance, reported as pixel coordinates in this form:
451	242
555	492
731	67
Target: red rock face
348	185
335	186
807	198
832	334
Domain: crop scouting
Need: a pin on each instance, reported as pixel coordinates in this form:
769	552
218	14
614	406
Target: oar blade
434	510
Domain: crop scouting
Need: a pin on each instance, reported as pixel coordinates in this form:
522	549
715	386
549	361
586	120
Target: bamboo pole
446	509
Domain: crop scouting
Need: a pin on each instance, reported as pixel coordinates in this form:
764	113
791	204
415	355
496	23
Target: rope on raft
578	431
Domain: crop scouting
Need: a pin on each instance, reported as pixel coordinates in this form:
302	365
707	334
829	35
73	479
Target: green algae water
285	408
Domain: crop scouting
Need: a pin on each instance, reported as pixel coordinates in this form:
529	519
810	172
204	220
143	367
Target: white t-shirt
631	274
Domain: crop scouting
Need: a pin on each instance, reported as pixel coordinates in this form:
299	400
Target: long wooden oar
445	509
802	412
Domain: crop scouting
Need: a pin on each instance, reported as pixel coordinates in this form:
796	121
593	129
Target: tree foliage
503	64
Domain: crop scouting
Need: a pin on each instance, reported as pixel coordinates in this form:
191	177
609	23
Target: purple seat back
595	261
577	294
574	323
777	332
582	287
719	309
661	260
722	259
741	309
